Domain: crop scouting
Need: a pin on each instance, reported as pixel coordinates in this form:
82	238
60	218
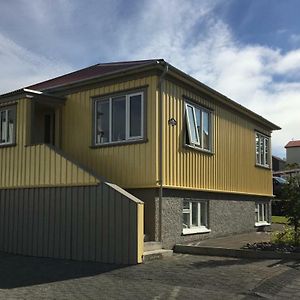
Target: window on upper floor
119	119
7	125
262	150
198	127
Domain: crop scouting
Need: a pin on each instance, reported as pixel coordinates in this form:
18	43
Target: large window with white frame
119	118
262	214
194	215
7	125
262	149
199	127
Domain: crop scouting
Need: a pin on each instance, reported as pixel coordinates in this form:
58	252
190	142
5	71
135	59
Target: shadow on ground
222	263
18	271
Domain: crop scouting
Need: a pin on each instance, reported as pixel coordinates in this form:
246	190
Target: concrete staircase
153	250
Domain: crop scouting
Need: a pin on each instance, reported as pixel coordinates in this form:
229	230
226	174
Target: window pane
195	214
261	142
257	149
192	125
118	118
102	115
10	128
3	126
205	130
203	212
198	122
135	127
186	220
186	205
266	151
260	211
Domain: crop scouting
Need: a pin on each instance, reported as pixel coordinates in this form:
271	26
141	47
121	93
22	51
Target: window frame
199	145
128	138
13	109
200	228
262	159
265	208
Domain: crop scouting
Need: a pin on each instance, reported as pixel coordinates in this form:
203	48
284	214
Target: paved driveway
178	277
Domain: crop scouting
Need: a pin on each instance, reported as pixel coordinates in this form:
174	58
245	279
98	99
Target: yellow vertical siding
231	168
37	165
129	165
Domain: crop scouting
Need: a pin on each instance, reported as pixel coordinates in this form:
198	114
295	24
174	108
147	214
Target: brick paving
178	277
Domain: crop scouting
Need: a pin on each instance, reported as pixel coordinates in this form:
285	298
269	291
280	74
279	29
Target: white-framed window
262	143
262	214
119	118
194	216
199	127
7	126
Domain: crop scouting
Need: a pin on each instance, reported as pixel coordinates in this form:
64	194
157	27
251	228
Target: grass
279	219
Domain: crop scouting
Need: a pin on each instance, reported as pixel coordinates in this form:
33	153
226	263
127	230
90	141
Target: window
198	124
194	217
262	150
262	214
7	126
119	118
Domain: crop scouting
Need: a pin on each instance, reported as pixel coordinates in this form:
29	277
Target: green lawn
279	219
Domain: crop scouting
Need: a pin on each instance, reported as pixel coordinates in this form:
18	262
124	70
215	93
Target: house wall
22	165
293	155
128	165
231	166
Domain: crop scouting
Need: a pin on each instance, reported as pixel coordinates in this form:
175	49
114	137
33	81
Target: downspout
161	116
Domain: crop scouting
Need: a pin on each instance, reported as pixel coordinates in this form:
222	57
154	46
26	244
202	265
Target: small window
262	150
119	119
198	127
262	215
194	217
7	126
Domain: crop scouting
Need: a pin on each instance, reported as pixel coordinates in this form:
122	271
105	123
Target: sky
249	50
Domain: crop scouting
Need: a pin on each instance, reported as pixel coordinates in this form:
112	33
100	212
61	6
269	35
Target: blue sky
248	50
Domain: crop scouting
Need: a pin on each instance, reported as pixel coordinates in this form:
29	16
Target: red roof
291	144
97	70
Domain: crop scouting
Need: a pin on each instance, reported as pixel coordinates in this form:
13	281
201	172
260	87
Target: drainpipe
161	87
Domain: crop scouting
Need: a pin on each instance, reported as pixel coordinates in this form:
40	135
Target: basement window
198	127
262	214
195	217
119	119
262	150
7	126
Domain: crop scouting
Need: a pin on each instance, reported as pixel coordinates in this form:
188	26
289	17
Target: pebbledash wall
225	211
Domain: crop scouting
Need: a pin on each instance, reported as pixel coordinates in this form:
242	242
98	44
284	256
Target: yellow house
96	161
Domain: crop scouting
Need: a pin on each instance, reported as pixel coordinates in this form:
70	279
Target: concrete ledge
237	253
156	254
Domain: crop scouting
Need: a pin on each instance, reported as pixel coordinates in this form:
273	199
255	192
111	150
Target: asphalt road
177	277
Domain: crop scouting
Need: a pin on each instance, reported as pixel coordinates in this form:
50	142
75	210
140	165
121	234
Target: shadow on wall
21	271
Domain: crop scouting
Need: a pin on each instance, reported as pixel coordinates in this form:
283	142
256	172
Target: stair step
156	254
150	246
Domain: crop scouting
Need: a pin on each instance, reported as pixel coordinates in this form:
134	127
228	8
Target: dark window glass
102	130
135	125
118	118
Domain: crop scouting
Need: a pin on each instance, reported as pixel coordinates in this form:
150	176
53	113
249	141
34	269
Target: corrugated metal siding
131	165
95	223
37	165
232	166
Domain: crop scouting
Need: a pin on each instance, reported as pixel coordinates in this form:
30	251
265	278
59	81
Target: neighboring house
278	163
200	163
293	152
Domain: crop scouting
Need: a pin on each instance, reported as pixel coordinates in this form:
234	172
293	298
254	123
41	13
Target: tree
291	207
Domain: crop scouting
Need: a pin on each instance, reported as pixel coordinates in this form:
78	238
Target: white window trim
199	145
266	150
265	220
127	119
7	127
199	228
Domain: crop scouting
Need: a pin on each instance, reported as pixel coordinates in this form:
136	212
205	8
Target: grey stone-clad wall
227	214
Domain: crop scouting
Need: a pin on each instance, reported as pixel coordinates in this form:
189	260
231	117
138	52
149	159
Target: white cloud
20	67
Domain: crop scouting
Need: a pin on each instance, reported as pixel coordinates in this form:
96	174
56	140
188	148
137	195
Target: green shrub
285	237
